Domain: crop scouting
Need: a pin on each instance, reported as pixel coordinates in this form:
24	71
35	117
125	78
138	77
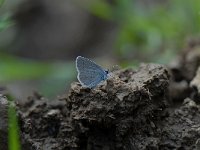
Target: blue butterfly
89	73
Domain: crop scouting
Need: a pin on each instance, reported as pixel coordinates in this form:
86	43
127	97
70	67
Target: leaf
1	2
13	129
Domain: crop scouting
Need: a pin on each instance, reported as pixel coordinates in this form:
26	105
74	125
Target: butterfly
89	73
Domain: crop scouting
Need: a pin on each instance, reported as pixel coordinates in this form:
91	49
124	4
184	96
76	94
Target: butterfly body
89	73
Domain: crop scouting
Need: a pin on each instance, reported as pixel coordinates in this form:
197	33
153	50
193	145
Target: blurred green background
39	40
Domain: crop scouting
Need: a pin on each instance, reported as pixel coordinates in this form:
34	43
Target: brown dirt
3	122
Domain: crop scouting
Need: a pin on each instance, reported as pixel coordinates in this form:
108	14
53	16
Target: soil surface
152	108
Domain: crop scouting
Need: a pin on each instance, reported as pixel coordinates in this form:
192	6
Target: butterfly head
107	71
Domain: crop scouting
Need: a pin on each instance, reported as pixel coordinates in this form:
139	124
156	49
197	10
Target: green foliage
148	32
52	77
99	8
155	31
5	22
59	79
1	2
13	130
13	68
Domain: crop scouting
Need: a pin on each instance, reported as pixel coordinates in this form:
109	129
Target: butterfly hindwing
90	79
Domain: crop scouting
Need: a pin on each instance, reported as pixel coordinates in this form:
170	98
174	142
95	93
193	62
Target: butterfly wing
83	63
89	79
89	73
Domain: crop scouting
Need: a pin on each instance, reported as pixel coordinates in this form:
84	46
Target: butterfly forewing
90	78
83	64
